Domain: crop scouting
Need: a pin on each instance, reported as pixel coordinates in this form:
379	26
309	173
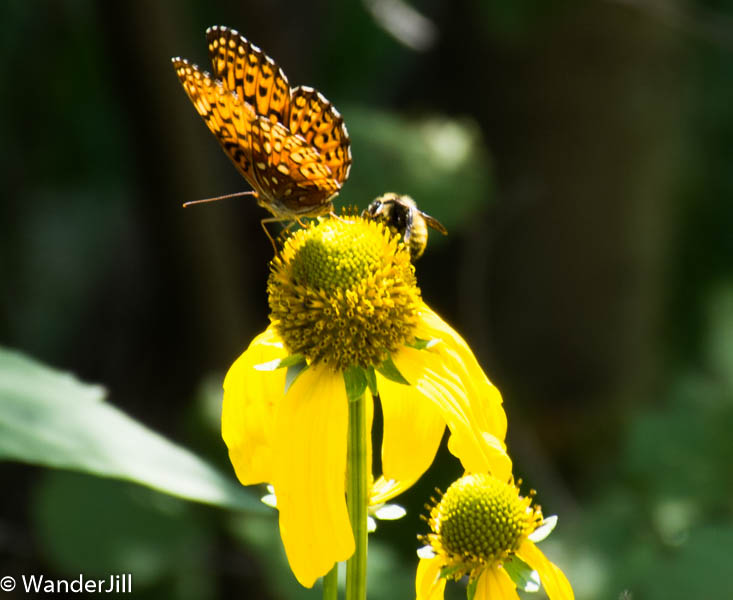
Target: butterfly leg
333	215
267	233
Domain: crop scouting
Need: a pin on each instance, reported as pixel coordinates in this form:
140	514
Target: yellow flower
344	300
483	528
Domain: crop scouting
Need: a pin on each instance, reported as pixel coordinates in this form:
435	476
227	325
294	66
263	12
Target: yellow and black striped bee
402	214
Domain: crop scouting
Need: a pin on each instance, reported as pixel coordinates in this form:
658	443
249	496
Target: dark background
581	156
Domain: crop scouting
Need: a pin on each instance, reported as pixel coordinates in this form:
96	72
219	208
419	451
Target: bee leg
408	228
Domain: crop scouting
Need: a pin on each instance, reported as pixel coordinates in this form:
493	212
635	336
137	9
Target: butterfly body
291	145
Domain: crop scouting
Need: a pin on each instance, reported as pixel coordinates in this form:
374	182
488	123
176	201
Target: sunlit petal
495	584
490	455
428	584
434	378
248	408
413	426
457	354
556	585
310	466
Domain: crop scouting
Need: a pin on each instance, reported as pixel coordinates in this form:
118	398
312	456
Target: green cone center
335	257
481	518
344	293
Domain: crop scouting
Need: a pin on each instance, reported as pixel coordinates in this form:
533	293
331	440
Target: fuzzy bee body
402	214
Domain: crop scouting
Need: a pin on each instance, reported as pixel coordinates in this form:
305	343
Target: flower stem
330	584
356	497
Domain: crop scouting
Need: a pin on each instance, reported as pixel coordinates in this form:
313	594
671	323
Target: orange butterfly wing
248	72
290	145
320	124
291	172
227	118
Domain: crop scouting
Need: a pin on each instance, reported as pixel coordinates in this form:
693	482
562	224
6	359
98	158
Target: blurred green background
581	156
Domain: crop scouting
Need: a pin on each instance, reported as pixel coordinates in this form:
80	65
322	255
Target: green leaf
51	419
523	576
371	377
471	589
279	363
389	370
419	344
446	572
430	156
292	373
98	526
355	380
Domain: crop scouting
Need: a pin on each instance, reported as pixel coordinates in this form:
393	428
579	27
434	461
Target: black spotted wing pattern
290	145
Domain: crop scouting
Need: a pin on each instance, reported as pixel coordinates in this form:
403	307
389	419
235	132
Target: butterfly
290	144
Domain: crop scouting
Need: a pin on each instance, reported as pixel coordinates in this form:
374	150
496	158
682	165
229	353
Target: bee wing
434	223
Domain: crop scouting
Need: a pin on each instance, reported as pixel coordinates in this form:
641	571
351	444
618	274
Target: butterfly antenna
224	197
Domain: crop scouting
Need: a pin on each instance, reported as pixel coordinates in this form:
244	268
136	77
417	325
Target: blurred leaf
388	574
694	569
516	23
100	527
683	449
720	332
404	23
51	419
258	534
442	163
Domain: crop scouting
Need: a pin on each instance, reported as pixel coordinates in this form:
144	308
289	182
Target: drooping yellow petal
489	454
456	352
248	408
428	584
557	586
413	428
460	405
309	453
495	584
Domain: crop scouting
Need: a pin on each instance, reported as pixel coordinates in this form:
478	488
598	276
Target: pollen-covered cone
343	295
482	528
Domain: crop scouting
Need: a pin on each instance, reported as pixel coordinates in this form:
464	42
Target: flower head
483	528
343	294
344	298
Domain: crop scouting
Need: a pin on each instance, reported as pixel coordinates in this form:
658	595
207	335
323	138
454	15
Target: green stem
331	584
356	497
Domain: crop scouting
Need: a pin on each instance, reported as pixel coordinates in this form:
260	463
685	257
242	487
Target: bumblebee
402	214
